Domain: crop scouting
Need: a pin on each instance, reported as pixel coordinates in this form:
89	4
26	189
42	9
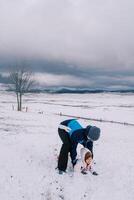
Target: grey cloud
84	38
78	76
81	32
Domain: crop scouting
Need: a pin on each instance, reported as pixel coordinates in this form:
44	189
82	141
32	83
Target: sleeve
89	145
91	170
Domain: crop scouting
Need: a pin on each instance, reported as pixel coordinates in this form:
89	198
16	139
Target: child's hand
95	173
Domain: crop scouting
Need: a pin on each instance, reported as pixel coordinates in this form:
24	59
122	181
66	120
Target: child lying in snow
84	165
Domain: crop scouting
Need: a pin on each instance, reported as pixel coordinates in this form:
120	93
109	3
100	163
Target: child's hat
83	152
94	133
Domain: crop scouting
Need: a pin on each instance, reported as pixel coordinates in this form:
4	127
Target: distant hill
78	91
65	90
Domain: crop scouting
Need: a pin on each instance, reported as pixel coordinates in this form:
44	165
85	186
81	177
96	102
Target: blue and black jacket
77	135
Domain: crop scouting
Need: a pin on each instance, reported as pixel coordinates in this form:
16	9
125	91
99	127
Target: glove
95	173
68	129
83	171
74	162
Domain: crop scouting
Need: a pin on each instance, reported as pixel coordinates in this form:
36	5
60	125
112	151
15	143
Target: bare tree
21	83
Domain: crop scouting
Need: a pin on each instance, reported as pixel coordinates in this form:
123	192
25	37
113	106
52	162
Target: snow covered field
30	144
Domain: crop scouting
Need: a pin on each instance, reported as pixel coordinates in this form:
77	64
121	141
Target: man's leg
63	156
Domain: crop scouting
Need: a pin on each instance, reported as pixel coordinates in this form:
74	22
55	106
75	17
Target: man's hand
74	162
68	129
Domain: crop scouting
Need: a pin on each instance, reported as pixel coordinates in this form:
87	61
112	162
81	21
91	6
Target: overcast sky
84	43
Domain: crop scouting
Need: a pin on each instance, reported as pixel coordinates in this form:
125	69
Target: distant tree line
4	79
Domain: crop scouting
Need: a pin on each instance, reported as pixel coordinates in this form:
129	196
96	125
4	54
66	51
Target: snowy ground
30	144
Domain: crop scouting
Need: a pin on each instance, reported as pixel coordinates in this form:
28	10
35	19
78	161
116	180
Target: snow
30	145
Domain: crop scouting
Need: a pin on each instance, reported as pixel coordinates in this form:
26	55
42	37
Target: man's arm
73	152
89	145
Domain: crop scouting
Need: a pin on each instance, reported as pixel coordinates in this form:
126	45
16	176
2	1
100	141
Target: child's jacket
81	164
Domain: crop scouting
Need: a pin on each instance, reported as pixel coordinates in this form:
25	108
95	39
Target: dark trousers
65	149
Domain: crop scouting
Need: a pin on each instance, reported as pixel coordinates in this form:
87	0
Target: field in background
30	146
